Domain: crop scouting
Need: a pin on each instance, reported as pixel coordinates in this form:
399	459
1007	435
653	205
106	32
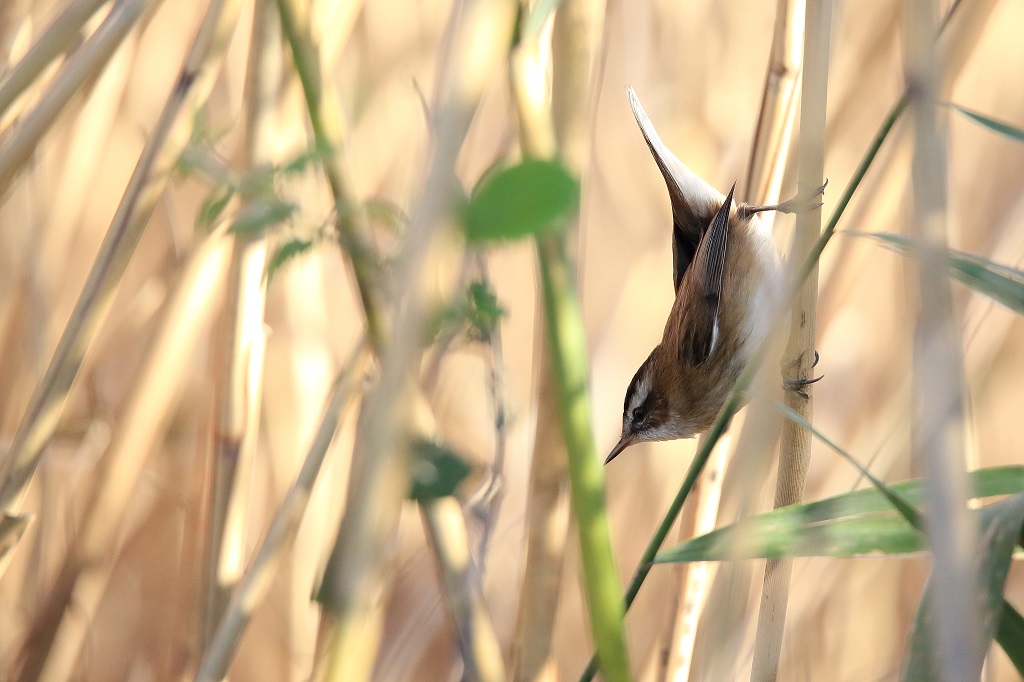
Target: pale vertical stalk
253	587
18	148
798	360
765	172
778	106
694	578
937	426
61	32
239	393
354	581
449	540
163	147
72	604
563	326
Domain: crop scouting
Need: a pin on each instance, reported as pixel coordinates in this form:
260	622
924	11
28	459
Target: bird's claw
794	205
797	385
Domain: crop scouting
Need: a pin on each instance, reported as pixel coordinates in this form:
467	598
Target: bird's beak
623	443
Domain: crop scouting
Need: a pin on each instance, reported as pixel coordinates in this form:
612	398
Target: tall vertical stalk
938	390
799	357
240	386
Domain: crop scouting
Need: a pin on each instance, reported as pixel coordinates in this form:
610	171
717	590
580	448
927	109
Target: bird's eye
639	413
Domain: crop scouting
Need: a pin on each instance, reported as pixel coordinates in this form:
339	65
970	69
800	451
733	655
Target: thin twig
240	391
255	583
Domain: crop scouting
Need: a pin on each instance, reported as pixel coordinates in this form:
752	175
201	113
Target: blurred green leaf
287	252
213	206
526	199
857	523
300	164
1010	636
1002	283
387	214
1000	526
436	471
259	215
484	311
1001	127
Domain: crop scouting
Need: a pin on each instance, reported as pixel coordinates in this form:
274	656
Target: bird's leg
795	204
797	385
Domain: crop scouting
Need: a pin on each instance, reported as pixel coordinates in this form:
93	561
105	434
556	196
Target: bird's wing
693	199
704	290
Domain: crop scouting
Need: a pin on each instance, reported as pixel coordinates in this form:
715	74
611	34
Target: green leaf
436	471
529	198
905	509
300	163
856	523
1001	127
839	538
1010	636
259	215
1000	526
287	252
1000	282
213	206
484	311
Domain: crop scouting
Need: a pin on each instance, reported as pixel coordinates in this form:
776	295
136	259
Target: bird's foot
805	202
797	385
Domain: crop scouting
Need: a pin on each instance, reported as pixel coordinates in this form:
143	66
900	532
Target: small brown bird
727	277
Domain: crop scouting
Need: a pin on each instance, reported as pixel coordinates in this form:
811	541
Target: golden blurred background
149	382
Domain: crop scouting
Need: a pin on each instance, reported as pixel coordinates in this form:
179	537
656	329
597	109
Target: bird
727	275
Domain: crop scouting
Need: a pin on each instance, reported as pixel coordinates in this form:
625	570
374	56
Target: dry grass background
699	68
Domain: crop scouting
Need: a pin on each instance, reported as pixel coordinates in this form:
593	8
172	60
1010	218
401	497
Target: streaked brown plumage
726	273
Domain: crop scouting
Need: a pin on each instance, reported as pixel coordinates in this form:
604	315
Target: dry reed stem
449	542
353	581
799	357
240	391
72	603
146	186
445	525
20	145
54	40
938	391
778	106
255	583
765	172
